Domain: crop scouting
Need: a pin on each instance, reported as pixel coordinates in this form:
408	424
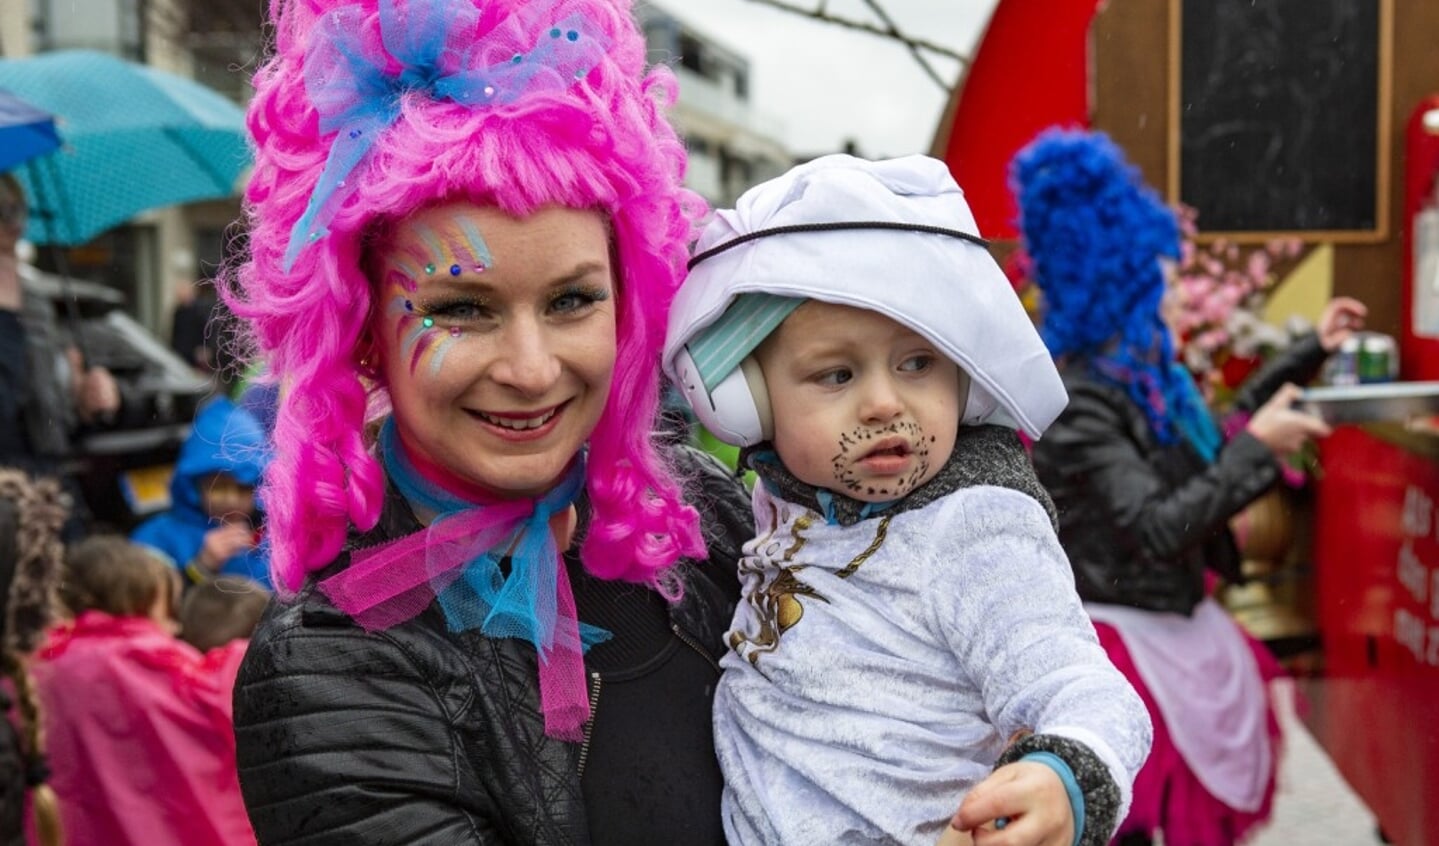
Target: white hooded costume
878	669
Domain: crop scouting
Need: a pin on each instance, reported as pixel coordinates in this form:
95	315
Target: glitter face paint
499	374
418	336
454	247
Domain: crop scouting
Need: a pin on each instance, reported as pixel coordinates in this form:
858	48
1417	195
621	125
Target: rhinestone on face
572	35
429	268
428	322
555	33
455	270
454	331
409	306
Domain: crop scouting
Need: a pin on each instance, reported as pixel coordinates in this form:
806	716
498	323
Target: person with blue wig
1146	484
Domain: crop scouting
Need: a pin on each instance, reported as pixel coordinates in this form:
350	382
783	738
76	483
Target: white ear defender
737	411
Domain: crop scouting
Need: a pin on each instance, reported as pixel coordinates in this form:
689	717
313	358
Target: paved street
1315	807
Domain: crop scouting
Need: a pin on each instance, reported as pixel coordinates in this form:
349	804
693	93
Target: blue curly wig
1095	233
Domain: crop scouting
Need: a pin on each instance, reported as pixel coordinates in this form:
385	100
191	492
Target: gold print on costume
777	604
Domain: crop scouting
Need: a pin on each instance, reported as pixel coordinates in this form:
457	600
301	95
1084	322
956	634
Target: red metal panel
1418	356
1030	72
1376	550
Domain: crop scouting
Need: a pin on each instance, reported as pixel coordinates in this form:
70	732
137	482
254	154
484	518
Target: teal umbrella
136	138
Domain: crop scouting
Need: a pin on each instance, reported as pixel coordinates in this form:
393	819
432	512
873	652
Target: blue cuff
1071	786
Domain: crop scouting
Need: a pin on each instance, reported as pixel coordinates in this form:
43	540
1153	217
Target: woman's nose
527	361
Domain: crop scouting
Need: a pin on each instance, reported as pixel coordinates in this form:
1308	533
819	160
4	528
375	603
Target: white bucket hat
894	237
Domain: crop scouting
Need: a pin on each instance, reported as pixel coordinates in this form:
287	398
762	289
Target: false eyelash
443	307
592	293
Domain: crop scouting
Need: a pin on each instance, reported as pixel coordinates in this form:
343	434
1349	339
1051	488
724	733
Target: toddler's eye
917	363
837	376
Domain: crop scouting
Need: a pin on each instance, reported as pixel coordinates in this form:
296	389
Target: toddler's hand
224	542
1031	799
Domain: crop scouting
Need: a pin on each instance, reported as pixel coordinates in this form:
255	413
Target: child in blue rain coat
213	524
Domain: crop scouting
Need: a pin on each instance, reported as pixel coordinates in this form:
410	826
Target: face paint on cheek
442	347
410	329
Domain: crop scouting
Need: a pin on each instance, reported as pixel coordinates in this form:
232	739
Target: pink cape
139	733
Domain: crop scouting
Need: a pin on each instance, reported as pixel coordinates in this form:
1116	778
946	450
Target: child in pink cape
138	722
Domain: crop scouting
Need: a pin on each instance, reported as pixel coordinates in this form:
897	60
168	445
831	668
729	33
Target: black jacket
1141	521
416	735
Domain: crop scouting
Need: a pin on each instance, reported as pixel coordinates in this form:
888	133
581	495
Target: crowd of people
438	577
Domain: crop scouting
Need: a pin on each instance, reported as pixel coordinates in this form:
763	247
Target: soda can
1342	368
1377	359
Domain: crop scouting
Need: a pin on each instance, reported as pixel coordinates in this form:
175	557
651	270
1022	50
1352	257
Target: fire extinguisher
1419	339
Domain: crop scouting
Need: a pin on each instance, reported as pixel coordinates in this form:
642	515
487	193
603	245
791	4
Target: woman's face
496	338
13	216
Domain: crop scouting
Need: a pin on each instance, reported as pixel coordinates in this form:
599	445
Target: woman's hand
1029	797
1341	318
1280	427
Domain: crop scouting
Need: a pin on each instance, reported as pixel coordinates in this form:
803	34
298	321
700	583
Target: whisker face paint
855	444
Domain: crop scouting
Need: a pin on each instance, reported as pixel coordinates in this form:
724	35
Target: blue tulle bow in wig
440	56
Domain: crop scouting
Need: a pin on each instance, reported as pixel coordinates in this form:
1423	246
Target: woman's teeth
518	423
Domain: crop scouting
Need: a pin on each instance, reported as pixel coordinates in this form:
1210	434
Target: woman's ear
367	355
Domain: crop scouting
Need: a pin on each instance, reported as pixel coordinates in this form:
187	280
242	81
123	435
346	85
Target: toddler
211	527
909	635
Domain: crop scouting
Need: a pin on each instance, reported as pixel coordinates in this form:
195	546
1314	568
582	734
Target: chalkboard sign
1281	116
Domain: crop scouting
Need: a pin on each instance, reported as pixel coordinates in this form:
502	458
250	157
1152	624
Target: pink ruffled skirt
1168	797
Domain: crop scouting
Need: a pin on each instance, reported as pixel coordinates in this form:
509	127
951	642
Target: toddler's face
862	405
225	498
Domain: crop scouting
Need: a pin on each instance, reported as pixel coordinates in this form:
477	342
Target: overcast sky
822	83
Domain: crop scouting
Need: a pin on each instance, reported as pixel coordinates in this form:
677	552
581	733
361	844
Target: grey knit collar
983	455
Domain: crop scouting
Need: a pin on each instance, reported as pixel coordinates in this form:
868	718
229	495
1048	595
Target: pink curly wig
601	144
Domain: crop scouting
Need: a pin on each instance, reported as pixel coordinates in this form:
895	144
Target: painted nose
527	364
880	403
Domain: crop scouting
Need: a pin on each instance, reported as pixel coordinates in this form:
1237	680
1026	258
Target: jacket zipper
595	692
590	723
689	641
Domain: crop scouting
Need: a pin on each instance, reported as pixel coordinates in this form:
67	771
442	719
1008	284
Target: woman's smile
528	425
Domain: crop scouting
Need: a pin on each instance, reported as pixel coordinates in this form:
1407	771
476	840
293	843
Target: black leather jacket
416	735
1141	521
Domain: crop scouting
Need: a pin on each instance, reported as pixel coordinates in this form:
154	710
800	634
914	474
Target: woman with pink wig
466	226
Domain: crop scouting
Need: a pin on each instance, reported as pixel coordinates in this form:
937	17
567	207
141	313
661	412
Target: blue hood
224	438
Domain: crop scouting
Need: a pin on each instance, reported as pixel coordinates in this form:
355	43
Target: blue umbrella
136	138
25	132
